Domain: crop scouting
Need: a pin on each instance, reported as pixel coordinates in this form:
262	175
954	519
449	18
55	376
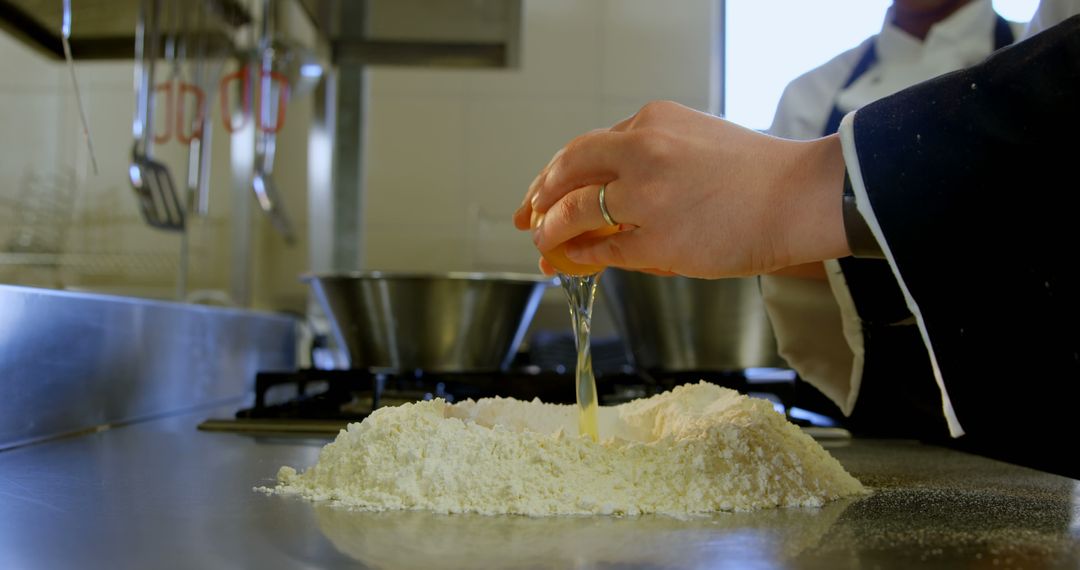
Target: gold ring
603	208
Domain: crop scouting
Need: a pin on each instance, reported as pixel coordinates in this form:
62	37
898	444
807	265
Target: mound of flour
698	448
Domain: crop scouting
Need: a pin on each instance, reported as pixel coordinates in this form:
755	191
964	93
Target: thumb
630	249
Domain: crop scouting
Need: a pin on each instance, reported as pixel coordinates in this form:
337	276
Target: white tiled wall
106	246
29	104
451	152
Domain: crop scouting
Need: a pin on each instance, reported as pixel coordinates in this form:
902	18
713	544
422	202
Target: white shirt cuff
810	335
851	327
862	201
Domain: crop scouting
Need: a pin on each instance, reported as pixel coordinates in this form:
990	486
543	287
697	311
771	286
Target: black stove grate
350	395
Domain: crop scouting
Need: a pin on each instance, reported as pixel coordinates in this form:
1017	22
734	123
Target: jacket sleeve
970	183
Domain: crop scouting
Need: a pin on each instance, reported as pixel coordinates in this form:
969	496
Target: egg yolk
557	255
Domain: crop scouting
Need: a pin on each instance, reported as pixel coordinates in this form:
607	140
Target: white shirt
1051	13
817	327
963	39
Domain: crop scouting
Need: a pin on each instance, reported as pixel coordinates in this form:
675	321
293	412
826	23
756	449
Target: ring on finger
603	208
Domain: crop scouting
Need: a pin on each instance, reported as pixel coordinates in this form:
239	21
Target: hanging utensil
65	38
178	90
263	180
163	92
201	128
190	104
273	95
151	180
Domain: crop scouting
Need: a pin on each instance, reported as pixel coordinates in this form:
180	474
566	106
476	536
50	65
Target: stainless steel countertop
160	494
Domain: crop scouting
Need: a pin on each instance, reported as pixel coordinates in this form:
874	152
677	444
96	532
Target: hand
814	271
698	195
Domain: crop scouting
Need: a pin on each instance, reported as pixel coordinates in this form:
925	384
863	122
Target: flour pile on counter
698	448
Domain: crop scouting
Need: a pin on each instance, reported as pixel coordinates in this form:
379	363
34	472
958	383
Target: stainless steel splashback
75	361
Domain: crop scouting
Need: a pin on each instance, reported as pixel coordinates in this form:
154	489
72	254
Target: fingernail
535	199
573	252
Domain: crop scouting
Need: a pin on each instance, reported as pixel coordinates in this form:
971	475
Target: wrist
814	186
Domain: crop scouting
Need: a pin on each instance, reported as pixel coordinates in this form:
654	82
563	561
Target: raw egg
557	256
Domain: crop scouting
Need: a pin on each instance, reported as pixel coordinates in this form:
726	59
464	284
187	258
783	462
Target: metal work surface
162	495
77	361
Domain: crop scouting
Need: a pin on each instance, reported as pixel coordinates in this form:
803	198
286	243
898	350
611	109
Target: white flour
699	448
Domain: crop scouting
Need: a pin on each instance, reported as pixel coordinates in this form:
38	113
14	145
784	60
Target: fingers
523	215
546	267
625	124
593	158
659	272
578	212
632	249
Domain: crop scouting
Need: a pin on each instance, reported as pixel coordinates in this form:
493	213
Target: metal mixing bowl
450	322
678	324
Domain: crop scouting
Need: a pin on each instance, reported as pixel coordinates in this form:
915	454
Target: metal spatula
273	94
158	200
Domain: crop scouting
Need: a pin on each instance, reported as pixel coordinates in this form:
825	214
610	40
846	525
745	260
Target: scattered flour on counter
698	448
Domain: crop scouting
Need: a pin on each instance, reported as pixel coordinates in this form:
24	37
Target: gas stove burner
314	401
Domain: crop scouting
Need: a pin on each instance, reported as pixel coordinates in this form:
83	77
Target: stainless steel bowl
680	324
450	322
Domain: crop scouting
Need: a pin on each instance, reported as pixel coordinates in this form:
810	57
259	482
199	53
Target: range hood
104	29
442	33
